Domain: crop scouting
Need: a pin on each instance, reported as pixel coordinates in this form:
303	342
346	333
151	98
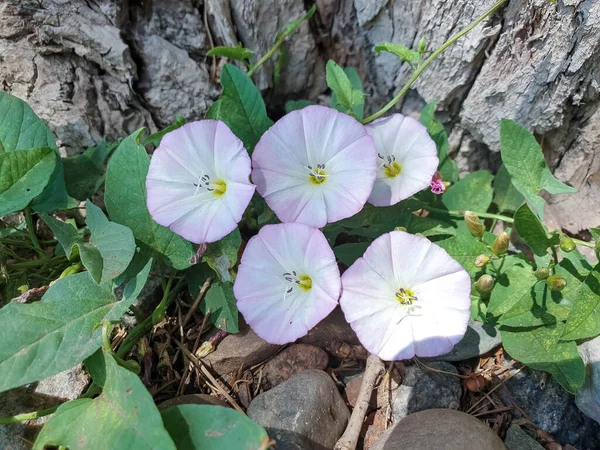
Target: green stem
91	392
281	40
429	60
31	229
584	243
462	214
38	263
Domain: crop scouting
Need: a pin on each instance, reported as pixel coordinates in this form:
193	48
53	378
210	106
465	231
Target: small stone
551	409
244	348
353	389
46	393
305	412
588	398
426	389
294	359
517	439
375	428
439	429
193	399
331	330
478	340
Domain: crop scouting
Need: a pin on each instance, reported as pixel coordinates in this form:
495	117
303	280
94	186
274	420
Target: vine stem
32	235
431	58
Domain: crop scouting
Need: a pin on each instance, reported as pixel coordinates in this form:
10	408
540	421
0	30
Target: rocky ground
304	393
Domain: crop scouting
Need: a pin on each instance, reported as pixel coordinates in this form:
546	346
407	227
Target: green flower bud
400	229
422	46
485	283
598	246
542	273
556	283
481	261
474	225
500	245
567	244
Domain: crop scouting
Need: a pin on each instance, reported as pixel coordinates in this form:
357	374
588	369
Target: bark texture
94	68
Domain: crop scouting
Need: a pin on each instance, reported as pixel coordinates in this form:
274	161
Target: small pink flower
406	296
287	282
437	185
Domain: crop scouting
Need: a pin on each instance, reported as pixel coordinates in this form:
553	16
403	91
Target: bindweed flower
287	282
406	159
406	296
198	182
314	166
437	184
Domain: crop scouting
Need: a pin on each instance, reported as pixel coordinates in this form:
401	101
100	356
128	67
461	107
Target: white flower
406	159
198	181
287	282
406	296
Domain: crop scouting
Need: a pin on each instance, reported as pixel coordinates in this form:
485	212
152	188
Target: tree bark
94	68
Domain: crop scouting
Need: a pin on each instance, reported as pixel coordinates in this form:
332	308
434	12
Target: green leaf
295	105
540	349
196	276
155	138
345	95
23	175
538	306
584	319
524	161
465	248
291	27
115	242
506	196
238	53
447	168
510	288
531	230
402	52
348	253
43	338
222	255
21	129
358	109
209	427
124	416
473	192
84	174
220	301
125	199
109	251
241	107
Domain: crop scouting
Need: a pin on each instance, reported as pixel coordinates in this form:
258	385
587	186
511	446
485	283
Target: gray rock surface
439	429
244	348
517	439
588	398
552	409
305	412
478	339
423	389
109	67
47	393
292	360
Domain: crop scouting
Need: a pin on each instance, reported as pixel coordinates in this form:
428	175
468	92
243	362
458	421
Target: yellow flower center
219	187
406	297
305	282
317	175
392	170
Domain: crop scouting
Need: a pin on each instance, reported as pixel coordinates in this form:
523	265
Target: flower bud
400	229
481	261
485	283
422	46
500	245
542	273
474	225
567	244
556	283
